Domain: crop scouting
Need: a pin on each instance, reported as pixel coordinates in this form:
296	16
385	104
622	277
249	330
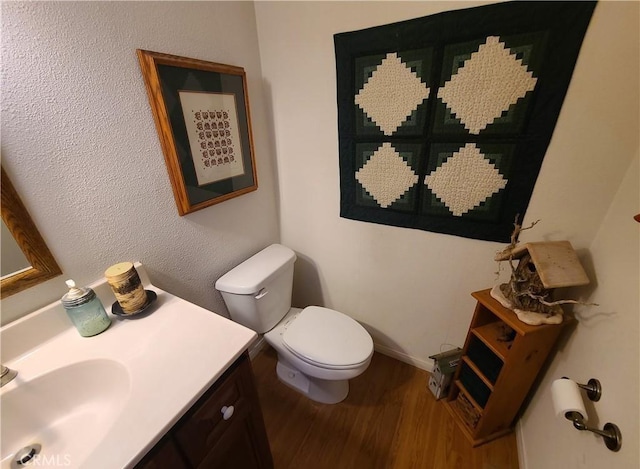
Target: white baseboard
383	349
403	357
255	348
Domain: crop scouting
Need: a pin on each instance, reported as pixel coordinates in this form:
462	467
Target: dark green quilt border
564	25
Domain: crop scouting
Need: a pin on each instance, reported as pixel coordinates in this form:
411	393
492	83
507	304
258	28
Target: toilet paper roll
567	398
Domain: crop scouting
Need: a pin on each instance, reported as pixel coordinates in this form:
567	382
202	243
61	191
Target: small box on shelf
444	367
439	388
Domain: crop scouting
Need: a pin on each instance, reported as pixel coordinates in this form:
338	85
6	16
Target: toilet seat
328	339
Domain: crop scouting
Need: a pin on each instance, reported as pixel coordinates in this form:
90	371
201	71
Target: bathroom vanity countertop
171	356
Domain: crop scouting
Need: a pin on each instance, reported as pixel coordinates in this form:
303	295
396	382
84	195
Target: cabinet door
235	439
205	425
164	455
237	448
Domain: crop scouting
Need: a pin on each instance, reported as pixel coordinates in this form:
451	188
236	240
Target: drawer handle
227	412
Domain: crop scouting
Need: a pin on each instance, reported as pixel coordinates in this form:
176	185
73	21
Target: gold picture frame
42	264
201	111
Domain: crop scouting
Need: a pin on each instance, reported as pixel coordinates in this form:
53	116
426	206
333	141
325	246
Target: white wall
80	144
411	288
605	345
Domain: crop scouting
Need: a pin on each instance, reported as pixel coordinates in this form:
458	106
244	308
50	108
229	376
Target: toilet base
319	390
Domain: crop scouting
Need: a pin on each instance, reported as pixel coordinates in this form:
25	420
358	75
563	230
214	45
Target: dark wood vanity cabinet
224	429
164	455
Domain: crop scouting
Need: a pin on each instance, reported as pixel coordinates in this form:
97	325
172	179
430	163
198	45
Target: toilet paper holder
610	432
593	389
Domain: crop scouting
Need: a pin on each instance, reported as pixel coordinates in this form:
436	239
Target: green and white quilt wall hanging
444	120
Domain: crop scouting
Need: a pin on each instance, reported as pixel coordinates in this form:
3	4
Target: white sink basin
102	402
66	411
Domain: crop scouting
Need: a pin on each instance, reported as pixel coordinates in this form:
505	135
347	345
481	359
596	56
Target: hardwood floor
389	420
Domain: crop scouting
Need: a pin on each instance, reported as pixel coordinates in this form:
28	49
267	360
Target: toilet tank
258	291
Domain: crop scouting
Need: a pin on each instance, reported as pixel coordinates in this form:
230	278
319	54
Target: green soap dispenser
85	310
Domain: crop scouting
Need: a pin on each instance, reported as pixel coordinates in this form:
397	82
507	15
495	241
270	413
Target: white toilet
319	349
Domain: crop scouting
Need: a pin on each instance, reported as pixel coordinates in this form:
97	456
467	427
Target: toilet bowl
319	349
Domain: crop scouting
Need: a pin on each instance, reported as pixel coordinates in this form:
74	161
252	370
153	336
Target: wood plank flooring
389	420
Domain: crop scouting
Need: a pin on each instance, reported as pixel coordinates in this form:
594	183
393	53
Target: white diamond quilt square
387	175
487	85
467	181
391	92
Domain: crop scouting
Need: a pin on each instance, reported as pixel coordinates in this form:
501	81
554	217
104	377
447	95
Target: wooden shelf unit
496	373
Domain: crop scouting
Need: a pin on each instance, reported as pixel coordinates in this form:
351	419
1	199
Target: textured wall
80	144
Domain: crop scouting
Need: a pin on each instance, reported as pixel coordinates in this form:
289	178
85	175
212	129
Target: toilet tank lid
251	275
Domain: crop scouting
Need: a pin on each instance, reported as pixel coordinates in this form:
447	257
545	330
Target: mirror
40	264
13	259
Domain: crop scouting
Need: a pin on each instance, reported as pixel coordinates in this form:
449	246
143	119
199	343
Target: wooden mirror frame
43	266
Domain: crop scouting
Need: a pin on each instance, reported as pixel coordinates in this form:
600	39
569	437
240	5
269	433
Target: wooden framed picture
201	110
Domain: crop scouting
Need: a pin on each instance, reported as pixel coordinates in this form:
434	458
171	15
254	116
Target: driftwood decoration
542	267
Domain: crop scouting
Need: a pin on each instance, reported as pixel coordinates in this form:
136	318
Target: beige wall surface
411	288
604	345
80	144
